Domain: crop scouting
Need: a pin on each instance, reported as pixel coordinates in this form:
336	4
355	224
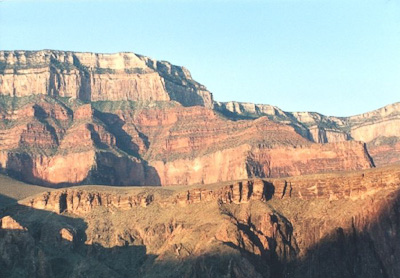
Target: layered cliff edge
125	119
95	77
380	128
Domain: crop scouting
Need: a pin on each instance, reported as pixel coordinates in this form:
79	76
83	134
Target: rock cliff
95	77
56	142
124	119
378	128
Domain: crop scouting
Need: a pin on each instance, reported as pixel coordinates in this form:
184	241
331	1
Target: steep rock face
126	87
82	202
238	193
129	77
122	170
97	77
313	126
248	109
385	150
131	133
195	145
180	85
323	135
62	141
71	168
308	160
378	128
349	185
224	165
371	131
56	143
353	185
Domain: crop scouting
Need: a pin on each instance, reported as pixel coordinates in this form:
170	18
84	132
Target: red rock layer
195	145
159	146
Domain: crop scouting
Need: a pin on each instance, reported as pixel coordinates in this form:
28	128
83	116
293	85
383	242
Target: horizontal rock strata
97	77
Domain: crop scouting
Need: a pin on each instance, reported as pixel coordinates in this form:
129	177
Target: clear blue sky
335	57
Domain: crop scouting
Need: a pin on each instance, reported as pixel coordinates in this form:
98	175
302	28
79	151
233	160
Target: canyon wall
58	142
132	120
351	185
98	77
379	129
196	145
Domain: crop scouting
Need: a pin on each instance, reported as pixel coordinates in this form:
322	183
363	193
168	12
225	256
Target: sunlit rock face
95	77
196	145
379	129
56	142
125	119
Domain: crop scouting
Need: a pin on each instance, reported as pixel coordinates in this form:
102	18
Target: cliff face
380	129
46	141
352	186
327	225
55	142
196	145
71	118
94	77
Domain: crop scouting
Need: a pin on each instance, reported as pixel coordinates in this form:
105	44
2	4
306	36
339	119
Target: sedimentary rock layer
56	141
98	77
378	128
353	185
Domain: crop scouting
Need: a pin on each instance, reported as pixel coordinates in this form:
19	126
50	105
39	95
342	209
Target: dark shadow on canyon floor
6	201
372	251
54	245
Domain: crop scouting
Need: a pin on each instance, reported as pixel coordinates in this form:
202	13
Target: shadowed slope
244	229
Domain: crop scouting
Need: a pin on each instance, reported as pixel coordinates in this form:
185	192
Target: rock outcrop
81	202
180	85
353	185
8	223
196	145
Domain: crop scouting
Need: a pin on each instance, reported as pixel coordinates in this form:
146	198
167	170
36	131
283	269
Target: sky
334	57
